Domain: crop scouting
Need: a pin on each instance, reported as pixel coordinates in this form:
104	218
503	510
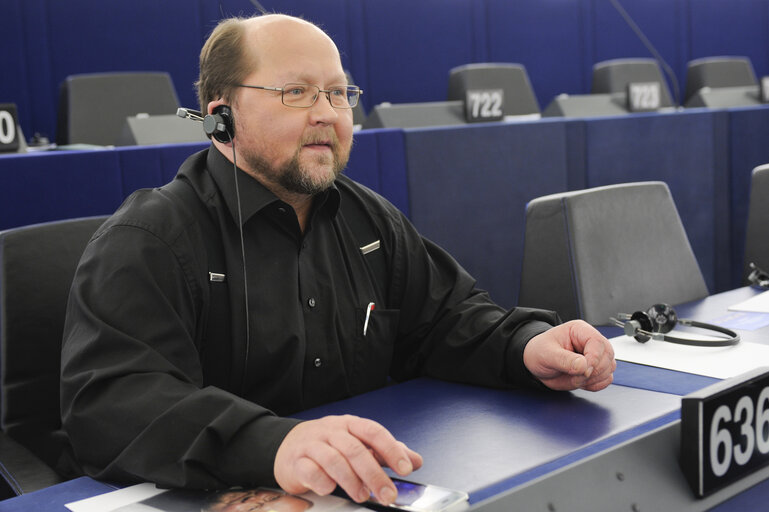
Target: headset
219	124
660	319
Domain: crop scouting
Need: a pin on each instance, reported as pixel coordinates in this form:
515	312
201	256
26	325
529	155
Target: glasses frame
328	92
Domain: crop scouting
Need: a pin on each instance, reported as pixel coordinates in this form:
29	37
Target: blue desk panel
484	441
468	188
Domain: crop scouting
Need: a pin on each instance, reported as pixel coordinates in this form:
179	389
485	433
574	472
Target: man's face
301	150
261	500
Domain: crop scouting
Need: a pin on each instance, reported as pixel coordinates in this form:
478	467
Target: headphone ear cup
639	320
663	318
219	124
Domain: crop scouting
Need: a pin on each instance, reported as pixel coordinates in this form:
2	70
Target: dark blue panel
364	163
142	35
547	37
393	179
42	187
731	28
682	150
468	187
485	441
411	46
14	87
661	22
749	148
152	166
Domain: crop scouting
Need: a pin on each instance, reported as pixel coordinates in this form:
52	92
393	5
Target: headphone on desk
660	319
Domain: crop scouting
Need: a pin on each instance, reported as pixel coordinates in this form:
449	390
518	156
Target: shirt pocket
374	349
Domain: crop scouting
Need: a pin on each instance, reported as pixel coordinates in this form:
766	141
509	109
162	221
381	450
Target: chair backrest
37	265
757	232
613	76
519	98
593	253
93	107
717	72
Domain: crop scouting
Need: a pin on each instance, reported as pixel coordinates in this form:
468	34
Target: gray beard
294	178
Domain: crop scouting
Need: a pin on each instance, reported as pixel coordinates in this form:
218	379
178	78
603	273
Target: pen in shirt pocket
369	309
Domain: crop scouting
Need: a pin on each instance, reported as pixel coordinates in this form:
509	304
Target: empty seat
757	232
613	76
718	72
593	253
93	107
512	79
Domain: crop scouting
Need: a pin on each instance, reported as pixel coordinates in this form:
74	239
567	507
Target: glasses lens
344	96
299	95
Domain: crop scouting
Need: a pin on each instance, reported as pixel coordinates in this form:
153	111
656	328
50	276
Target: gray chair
93	107
593	253
757	232
613	76
512	79
37	264
716	73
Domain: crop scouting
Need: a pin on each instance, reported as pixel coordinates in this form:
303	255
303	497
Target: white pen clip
369	309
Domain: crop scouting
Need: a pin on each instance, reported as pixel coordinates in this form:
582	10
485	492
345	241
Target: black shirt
165	378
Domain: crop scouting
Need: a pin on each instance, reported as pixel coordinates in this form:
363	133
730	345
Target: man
159	384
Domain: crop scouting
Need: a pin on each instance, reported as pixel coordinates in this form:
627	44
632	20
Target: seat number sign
484	105
9	140
725	431
643	96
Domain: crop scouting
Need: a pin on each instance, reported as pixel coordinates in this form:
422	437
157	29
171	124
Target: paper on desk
718	362
145	498
758	304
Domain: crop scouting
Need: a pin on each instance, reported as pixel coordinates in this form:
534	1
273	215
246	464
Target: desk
510	447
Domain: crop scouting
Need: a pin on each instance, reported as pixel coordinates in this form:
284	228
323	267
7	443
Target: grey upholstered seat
512	79
37	265
620	248
718	72
93	107
613	76
757	233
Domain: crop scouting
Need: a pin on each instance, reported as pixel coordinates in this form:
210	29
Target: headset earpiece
660	319
219	124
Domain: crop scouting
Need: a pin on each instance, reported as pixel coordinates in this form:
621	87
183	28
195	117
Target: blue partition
468	188
740	29
688	151
539	35
748	132
38	188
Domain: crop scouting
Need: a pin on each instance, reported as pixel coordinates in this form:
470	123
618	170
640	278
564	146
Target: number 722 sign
725	431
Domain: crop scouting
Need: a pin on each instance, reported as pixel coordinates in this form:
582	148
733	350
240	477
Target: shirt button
317	362
281	209
311	302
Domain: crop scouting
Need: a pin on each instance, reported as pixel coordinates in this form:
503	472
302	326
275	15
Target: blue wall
397	50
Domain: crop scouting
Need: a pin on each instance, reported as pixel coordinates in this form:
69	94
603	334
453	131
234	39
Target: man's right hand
348	451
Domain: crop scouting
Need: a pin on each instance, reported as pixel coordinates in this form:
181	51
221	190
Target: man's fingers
394	453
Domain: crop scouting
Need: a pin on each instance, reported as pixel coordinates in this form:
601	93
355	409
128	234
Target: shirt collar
253	195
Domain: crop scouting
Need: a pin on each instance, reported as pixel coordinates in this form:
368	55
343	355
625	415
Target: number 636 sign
725	431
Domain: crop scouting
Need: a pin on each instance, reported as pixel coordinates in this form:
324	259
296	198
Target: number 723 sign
725	431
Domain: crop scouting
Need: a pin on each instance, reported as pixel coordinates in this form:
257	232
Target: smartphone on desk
414	497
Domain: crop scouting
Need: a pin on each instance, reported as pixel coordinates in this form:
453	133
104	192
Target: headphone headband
660	319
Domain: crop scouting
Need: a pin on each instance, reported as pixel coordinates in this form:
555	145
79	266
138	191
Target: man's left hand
570	356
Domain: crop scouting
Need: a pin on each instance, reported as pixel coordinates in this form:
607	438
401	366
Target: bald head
238	46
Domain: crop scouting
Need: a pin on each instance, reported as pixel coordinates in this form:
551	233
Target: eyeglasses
305	95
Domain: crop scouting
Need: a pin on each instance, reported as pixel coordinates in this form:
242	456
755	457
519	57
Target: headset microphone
218	124
658	320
